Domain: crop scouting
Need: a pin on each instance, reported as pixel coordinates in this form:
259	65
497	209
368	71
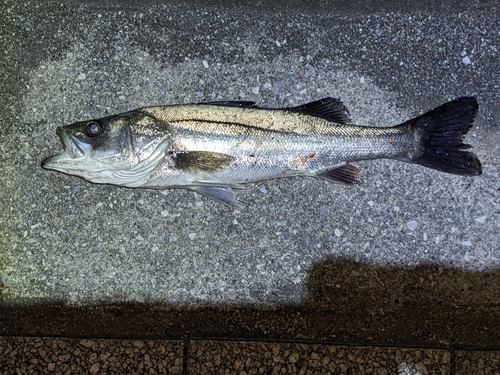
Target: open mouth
72	149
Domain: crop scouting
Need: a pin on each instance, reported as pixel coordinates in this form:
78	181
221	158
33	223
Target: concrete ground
400	271
62	355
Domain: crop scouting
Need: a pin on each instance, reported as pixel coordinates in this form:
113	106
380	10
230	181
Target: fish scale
330	143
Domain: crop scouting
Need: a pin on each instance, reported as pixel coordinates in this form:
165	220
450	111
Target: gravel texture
477	362
66	239
209	357
52	355
45	355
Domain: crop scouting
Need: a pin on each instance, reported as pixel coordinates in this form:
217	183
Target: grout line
322	342
452	361
265	339
185	354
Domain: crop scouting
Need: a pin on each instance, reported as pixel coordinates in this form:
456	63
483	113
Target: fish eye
94	128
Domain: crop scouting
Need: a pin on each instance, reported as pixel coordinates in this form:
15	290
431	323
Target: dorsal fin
330	109
232	103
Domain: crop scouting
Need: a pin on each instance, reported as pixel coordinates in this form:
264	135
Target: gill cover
102	150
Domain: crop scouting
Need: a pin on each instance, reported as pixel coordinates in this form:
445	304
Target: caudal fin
441	132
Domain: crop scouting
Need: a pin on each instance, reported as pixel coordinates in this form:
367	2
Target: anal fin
346	174
220	194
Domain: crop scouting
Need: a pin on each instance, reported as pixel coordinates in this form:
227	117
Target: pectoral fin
201	160
346	174
220	194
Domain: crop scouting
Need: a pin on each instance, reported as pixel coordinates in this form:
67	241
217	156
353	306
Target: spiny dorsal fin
330	109
201	160
232	103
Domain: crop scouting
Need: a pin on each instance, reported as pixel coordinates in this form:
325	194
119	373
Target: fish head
102	150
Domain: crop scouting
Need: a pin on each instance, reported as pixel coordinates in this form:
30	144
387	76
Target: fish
212	148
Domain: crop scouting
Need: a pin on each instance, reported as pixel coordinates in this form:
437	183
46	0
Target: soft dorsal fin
330	109
232	103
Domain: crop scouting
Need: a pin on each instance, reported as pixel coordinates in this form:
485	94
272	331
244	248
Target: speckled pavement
409	261
79	356
104	356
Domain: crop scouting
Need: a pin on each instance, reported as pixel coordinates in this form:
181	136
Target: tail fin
441	132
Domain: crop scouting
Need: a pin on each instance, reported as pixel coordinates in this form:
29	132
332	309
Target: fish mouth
74	150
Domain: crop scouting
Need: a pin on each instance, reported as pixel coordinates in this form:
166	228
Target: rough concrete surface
278	358
477	362
44	355
41	355
411	257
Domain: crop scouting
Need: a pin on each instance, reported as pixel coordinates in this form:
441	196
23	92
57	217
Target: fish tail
439	134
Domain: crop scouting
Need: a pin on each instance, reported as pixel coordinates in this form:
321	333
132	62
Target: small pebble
412	225
94	369
481	219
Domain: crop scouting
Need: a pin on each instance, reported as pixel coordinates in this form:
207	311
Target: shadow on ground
348	302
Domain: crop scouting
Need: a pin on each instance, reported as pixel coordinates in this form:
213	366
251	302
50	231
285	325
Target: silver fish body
213	147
